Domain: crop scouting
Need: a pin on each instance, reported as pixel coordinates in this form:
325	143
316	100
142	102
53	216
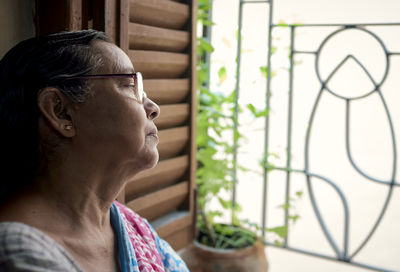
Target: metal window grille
341	252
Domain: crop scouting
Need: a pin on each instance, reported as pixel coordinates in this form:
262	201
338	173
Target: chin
155	161
152	159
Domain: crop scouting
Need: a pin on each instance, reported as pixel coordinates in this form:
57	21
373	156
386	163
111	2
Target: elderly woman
76	125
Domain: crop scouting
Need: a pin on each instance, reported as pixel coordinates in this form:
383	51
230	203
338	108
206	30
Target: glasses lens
139	87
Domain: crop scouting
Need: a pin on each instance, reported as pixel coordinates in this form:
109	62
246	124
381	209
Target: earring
68	127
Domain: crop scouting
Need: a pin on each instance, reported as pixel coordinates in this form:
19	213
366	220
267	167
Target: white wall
370	137
16	22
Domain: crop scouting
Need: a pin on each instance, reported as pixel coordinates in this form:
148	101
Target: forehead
114	59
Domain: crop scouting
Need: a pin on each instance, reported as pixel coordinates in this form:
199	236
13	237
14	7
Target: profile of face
112	125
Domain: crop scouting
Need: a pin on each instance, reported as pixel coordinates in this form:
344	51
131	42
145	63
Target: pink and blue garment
139	246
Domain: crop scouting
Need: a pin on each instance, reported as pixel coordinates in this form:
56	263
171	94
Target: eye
132	89
129	85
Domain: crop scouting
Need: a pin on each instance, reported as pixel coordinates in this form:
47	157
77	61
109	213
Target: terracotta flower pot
200	258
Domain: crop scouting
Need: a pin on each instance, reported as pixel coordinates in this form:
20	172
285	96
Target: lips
153	133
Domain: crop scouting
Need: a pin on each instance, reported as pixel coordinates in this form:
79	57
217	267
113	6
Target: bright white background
370	135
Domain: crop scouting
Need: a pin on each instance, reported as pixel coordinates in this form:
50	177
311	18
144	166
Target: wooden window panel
162	47
168	91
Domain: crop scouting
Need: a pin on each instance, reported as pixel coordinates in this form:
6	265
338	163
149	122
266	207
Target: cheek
130	127
116	125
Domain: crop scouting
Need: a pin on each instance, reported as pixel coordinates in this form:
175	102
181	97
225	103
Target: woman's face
111	125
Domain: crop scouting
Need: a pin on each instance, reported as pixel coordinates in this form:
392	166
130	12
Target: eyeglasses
137	79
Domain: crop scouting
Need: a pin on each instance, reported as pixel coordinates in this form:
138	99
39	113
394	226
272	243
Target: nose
151	108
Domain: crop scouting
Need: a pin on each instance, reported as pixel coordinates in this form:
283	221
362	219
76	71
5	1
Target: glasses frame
137	78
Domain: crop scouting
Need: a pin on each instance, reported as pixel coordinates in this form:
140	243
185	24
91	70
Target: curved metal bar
345	255
350	56
306	167
387	53
378	221
393	137
346	211
349	153
340	256
324	82
319	255
348	149
384	208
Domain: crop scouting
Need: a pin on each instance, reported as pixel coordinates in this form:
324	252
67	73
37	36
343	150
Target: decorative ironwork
344	254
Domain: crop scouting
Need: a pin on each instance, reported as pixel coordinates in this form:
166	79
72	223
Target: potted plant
234	244
226	246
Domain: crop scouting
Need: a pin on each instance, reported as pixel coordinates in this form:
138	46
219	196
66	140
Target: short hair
27	68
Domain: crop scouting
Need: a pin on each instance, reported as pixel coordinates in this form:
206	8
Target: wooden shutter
159	37
162	46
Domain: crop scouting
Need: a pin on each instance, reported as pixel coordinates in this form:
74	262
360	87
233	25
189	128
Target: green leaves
204	46
225	204
202	12
256	112
299	194
222	75
293	218
264	71
229	237
281	231
283	24
284	206
215	139
262	163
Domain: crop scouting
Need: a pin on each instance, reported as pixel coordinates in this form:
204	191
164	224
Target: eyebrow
124	69
127	71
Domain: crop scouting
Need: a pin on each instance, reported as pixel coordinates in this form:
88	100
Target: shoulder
24	248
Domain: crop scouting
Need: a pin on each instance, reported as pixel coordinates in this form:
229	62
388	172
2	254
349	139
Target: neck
68	199
76	194
83	198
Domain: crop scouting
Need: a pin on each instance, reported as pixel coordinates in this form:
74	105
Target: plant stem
209	228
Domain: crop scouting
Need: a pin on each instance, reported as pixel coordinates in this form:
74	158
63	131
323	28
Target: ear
55	109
